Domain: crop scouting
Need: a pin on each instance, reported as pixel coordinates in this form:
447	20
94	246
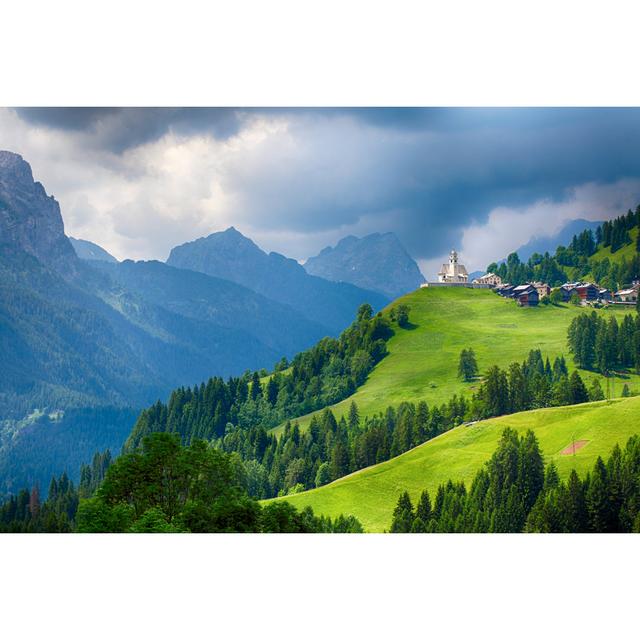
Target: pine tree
597	499
418	526
256	387
579	392
467	365
595	391
496	393
354	417
272	390
576	516
34	503
423	509
339	460
403	515
551	477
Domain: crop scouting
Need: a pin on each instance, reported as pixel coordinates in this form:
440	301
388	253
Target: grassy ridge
624	253
371	494
627	252
423	360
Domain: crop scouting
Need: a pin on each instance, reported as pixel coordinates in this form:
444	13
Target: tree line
615	233
514	492
329	449
534	384
552	269
325	374
605	344
164	487
26	512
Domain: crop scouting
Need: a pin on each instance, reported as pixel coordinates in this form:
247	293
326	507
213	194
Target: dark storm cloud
424	173
440	169
119	129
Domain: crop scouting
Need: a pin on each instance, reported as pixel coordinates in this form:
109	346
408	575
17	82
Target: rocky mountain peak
377	262
29	218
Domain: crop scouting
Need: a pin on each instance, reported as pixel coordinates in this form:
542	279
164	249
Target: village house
505	290
489	278
567	289
628	296
605	295
542	288
588	292
526	295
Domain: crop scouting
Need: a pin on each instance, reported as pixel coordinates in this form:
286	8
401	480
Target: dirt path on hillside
573	447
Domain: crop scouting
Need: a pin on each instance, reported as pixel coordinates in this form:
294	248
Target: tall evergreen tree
403	515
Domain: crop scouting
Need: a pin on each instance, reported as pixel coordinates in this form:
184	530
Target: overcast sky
140	181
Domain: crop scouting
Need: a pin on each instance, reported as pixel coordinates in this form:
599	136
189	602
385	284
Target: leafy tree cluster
34	450
168	488
543	268
552	269
615	233
531	385
468	365
400	314
605	344
514	492
162	488
615	274
92	475
330	449
25	513
323	375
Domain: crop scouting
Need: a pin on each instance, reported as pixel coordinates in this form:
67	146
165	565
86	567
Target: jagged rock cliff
377	261
29	218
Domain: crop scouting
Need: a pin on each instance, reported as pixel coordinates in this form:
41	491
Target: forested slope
423	357
457	455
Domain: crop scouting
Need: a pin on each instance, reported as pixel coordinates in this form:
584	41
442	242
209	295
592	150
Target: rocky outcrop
29	218
232	256
377	261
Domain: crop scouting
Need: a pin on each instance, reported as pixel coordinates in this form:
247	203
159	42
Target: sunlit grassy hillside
371	494
423	359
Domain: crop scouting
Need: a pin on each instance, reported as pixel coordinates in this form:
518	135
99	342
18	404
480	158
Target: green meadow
423	359
371	494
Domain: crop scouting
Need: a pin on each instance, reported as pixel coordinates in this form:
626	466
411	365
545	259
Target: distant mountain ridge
378	262
550	243
232	256
78	334
86	250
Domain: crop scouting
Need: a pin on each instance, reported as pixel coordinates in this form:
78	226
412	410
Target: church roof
458	270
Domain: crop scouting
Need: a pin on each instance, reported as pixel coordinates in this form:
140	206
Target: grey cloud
119	129
424	173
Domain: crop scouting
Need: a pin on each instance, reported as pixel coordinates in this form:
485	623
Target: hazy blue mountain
43	445
80	334
260	330
87	250
232	256
377	262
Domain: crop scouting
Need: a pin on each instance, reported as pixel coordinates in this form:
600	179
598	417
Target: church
453	273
